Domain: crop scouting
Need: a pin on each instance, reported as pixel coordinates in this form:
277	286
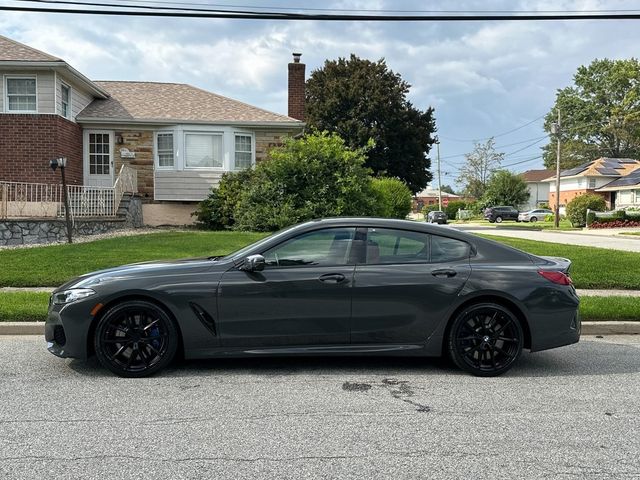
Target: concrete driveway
593	238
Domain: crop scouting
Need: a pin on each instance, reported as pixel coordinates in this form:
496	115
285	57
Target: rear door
405	285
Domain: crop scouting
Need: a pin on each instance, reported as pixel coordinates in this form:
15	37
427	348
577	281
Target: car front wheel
485	339
135	339
498	219
533	219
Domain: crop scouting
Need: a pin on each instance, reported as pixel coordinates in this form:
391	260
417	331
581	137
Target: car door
301	298
406	285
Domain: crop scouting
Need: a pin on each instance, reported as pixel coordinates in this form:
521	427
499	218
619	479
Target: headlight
68	296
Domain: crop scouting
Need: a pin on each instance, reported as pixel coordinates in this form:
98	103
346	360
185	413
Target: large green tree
506	188
478	167
600	114
360	100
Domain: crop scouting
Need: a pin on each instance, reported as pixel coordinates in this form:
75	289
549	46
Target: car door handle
444	272
332	278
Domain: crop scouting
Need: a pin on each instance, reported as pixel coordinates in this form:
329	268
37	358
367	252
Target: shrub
216	212
311	177
452	208
577	208
393	197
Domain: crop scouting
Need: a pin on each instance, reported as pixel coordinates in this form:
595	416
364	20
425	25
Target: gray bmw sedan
340	286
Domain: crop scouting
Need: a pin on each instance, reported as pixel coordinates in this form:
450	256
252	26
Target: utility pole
439	176
555	129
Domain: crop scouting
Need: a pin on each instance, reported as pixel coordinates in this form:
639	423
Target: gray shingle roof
12	51
150	101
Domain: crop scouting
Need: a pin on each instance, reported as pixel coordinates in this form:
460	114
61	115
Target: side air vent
204	317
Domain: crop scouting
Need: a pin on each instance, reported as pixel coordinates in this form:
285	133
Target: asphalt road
566	413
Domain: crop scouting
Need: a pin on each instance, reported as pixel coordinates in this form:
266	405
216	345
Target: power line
500	146
271	15
497	135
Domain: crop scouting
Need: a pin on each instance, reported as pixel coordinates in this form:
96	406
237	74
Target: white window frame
155	150
6	93
218	133
69	114
591	181
253	148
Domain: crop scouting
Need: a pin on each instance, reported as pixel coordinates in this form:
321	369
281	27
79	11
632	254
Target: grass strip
32	306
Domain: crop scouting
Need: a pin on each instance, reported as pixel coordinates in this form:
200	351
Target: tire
485	339
498	219
533	219
135	338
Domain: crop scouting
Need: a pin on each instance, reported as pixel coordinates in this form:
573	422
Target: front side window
164	149
243	153
396	246
203	150
65	101
21	95
326	247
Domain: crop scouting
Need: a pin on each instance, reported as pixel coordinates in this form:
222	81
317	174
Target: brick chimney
296	88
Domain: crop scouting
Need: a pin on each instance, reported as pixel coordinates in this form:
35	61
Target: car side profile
343	286
501	213
534	215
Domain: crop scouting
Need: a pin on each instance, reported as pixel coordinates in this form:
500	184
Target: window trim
156	156
69	115
589	182
218	133
253	149
6	93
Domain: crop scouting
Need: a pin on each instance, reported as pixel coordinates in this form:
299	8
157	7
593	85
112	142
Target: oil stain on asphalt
399	389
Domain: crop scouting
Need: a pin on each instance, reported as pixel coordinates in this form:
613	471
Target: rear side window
445	249
385	245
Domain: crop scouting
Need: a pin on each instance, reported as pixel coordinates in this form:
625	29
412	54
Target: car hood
145	269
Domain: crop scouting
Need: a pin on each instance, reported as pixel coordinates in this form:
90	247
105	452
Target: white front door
98	158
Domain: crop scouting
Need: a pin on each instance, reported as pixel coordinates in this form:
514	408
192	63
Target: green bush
577	208
393	197
452	208
311	177
217	211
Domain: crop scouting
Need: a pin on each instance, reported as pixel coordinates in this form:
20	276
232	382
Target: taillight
556	277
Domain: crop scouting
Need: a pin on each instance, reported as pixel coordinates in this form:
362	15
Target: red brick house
178	139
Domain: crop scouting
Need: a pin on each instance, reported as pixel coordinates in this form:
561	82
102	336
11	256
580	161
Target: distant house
178	139
538	189
625	190
429	196
599	177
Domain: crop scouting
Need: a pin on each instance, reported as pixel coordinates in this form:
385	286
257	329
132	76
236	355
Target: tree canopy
600	114
361	100
506	188
478	168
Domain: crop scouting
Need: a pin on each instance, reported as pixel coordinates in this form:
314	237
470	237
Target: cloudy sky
483	79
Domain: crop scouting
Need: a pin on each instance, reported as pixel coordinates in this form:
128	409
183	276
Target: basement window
21	94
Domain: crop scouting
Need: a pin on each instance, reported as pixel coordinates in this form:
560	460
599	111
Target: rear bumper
568	327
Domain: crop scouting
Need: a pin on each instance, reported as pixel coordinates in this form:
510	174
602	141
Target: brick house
592	177
178	138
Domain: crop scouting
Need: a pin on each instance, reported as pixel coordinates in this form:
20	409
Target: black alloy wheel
135	339
498	219
485	339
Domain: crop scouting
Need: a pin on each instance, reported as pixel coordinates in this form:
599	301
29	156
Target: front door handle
332	278
444	272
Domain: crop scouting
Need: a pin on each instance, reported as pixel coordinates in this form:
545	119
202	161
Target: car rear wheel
533	219
135	339
485	339
498	219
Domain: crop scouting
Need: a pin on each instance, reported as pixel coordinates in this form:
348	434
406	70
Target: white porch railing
39	200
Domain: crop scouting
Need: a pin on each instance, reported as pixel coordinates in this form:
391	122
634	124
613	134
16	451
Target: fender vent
204	317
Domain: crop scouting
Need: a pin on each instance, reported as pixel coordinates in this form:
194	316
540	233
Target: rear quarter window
445	249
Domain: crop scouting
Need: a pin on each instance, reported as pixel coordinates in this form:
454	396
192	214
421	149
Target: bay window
243	152
164	149
203	150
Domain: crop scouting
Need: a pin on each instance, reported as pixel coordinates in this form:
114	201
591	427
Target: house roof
630	181
12	51
536	175
139	102
431	192
601	167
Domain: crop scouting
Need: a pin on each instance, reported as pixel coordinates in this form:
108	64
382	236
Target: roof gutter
95	89
182	121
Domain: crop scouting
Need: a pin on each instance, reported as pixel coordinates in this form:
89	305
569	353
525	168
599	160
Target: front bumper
67	328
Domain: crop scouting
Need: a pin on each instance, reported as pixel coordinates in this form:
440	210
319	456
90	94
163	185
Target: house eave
553	179
615	189
182	121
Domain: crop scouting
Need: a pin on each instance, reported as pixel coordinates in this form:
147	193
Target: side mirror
252	263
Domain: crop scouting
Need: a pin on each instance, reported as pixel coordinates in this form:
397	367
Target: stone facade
141	143
267	139
28	142
50	230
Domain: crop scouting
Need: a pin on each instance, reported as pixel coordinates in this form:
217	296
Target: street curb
588	328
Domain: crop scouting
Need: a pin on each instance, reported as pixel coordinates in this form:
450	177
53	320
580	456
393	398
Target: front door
301	298
98	158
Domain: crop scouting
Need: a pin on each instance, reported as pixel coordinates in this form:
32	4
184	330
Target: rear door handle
444	272
332	278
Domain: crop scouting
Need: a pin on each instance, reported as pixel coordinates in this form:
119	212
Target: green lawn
30	306
591	267
629	233
53	265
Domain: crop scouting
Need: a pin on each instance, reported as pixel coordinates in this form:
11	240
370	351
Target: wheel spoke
134	353
506	324
492	355
151	324
120	350
472	349
507	339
